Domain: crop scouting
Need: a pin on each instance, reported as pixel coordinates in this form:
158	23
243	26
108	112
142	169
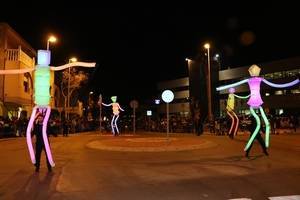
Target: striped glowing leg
256	129
112	124
45	138
232	121
28	135
236	124
267	123
116	123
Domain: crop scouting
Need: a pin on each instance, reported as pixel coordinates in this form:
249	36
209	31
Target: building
191	92
277	101
16	91
180	88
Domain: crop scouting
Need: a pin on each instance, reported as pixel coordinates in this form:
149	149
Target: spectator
40	146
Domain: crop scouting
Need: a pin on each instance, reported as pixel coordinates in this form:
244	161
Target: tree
77	80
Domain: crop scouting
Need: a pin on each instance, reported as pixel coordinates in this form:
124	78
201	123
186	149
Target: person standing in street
39	144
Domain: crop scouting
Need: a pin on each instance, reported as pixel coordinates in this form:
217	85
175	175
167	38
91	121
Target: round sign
134	104
167	96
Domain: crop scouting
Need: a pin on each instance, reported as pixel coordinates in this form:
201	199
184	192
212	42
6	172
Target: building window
26	86
296	91
279	92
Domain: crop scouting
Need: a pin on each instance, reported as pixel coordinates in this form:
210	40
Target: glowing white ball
167	96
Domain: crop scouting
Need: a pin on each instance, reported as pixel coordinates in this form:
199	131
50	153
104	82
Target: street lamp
207	46
50	39
73	59
90	96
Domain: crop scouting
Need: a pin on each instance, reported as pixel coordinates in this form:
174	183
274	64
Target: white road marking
241	199
293	197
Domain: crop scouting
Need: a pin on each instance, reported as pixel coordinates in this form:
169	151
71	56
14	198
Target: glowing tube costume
255	100
115	107
230	111
42	96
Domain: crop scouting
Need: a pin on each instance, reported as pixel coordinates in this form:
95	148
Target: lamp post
207	46
50	39
100	112
73	59
134	104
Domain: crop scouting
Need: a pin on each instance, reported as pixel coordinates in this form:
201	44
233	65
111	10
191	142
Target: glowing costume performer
230	111
42	96
115	107
255	100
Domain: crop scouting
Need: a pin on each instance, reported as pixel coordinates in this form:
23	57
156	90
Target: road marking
293	197
241	199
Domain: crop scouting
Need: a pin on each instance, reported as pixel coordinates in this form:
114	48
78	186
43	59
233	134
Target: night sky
136	47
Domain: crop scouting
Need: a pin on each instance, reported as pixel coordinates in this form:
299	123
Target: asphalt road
219	171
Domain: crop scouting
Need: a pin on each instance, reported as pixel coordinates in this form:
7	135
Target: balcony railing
19	55
12	54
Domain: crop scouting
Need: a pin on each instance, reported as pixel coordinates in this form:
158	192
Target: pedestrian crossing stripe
293	197
241	199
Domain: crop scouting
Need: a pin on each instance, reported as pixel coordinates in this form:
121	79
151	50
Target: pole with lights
71	60
51	39
210	116
167	97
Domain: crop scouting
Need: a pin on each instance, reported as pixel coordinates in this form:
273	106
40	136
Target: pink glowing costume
255	102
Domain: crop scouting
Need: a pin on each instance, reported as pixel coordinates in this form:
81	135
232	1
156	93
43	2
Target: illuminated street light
73	59
51	39
207	46
216	57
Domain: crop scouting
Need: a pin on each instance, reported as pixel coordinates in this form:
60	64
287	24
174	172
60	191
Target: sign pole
134	119
168	120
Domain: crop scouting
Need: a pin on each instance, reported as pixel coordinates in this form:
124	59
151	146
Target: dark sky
136	47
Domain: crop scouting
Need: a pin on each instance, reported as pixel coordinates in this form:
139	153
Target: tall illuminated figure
42	96
230	111
116	111
255	100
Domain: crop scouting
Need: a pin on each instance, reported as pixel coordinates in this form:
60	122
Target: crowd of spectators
14	127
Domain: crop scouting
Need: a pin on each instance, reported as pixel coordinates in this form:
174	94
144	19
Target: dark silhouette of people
258	137
39	144
197	122
66	127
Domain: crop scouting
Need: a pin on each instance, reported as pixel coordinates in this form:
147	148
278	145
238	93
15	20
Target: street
93	166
